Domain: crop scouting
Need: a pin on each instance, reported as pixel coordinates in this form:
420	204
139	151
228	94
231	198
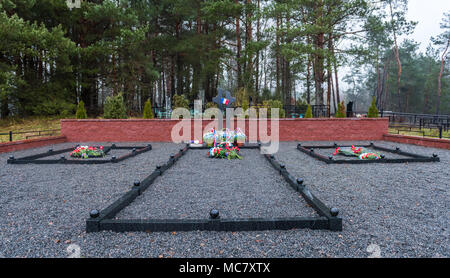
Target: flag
225	101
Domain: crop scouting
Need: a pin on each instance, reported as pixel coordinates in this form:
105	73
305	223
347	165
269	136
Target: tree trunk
249	39
196	76
179	80
277	56
425	109
319	64
397	57
383	95
308	81
378	88
238	50
333	93
258	35
329	73
338	97
438	100
386	95
328	90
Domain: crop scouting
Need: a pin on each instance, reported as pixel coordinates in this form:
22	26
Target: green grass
31	124
26	125
431	133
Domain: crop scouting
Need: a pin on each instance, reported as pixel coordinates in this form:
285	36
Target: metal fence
20	135
434	132
426	125
418	120
292	111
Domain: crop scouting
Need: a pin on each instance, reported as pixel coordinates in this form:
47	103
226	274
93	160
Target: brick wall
159	130
420	141
32	143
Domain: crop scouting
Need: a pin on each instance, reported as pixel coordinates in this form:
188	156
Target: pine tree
341	110
279	105
81	111
373	110
148	113
49	55
180	101
308	114
115	108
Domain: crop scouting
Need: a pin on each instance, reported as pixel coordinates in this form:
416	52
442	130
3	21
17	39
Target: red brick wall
32	143
158	130
420	141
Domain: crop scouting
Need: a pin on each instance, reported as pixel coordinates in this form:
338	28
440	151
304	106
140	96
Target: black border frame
34	159
103	220
309	150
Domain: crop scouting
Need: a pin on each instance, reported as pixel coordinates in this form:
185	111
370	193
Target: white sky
428	14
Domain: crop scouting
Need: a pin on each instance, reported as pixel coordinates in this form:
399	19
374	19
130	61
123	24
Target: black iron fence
426	125
291	111
20	135
299	111
418	120
434	132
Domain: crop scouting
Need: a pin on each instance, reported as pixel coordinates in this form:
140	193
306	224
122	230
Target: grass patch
425	132
31	126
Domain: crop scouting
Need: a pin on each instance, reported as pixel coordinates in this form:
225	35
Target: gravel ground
247	188
114	152
402	208
329	152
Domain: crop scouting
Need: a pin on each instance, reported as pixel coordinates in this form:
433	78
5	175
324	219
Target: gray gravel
329	152
403	208
114	152
247	188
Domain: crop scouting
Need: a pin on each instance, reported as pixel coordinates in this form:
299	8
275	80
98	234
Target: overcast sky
428	14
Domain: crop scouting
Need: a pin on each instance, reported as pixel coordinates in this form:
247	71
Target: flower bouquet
352	151
87	152
225	135
361	153
369	156
210	138
225	150
239	137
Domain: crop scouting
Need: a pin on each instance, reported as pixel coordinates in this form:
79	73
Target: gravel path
403	208
247	188
43	206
